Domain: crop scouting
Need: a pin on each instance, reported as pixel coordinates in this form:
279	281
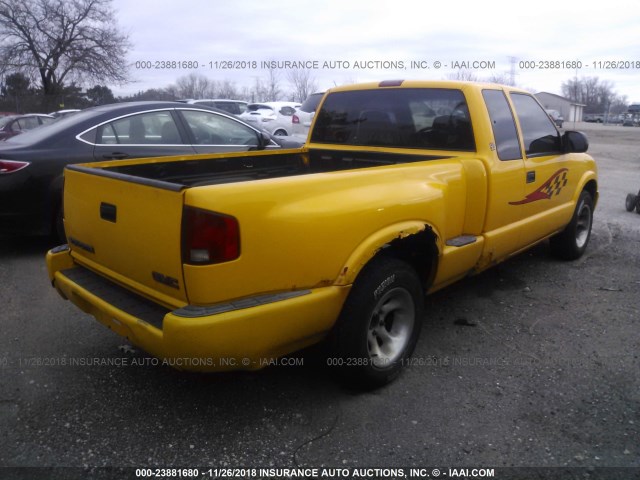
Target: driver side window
539	134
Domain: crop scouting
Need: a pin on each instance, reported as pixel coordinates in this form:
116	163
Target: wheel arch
591	186
416	243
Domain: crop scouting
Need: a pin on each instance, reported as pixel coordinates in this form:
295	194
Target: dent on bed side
416	243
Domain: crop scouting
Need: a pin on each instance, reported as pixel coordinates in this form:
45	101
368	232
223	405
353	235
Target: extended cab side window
423	118
503	124
539	133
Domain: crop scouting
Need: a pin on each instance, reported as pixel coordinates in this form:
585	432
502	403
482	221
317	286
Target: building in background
570	111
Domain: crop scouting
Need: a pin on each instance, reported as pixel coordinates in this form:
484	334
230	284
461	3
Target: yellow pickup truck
229	261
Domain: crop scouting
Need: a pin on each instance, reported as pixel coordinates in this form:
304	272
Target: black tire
280	133
630	202
379	325
572	242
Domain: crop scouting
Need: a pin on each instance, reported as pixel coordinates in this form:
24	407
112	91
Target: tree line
597	95
18	94
51	50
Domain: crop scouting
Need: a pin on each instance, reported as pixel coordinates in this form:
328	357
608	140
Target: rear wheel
380	323
571	243
280	133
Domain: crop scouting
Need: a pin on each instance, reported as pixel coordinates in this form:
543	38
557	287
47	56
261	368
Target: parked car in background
64	113
301	120
556	117
17	124
31	164
235	107
274	117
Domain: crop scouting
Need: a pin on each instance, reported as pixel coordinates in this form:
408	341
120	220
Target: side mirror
574	142
264	140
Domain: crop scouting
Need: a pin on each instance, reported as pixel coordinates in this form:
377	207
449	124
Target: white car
274	117
556	116
236	107
301	120
64	113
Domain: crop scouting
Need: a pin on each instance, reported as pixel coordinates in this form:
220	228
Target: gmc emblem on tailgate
166	280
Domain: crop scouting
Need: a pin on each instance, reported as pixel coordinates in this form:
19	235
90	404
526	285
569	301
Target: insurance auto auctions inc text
348	473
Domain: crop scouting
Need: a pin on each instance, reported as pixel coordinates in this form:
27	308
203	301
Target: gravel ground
531	364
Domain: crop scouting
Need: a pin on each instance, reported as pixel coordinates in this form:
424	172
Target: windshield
52	129
424	118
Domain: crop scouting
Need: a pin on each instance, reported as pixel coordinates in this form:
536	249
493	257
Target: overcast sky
399	32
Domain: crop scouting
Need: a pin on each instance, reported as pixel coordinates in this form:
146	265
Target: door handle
115	156
531	176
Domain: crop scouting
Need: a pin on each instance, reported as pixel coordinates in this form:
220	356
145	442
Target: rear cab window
418	118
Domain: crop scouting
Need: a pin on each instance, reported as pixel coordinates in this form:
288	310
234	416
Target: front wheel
572	242
380	323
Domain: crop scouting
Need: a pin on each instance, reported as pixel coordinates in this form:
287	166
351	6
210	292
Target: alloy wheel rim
583	225
390	327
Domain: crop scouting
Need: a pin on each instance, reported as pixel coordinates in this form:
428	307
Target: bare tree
303	84
62	42
273	91
597	95
259	93
465	75
245	94
227	89
500	78
195	86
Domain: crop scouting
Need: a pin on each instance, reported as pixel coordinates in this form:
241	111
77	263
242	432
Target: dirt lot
532	364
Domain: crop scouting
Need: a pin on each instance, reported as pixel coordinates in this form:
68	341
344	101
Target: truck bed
178	174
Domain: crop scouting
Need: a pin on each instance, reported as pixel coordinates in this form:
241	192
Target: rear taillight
295	119
10	166
209	237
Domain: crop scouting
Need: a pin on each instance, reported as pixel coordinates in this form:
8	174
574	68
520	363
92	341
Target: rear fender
378	241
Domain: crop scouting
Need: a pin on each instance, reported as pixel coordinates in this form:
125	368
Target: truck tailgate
128	231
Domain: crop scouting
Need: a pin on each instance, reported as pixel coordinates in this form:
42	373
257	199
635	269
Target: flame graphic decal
548	189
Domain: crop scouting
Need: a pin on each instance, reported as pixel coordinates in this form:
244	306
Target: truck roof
463	85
